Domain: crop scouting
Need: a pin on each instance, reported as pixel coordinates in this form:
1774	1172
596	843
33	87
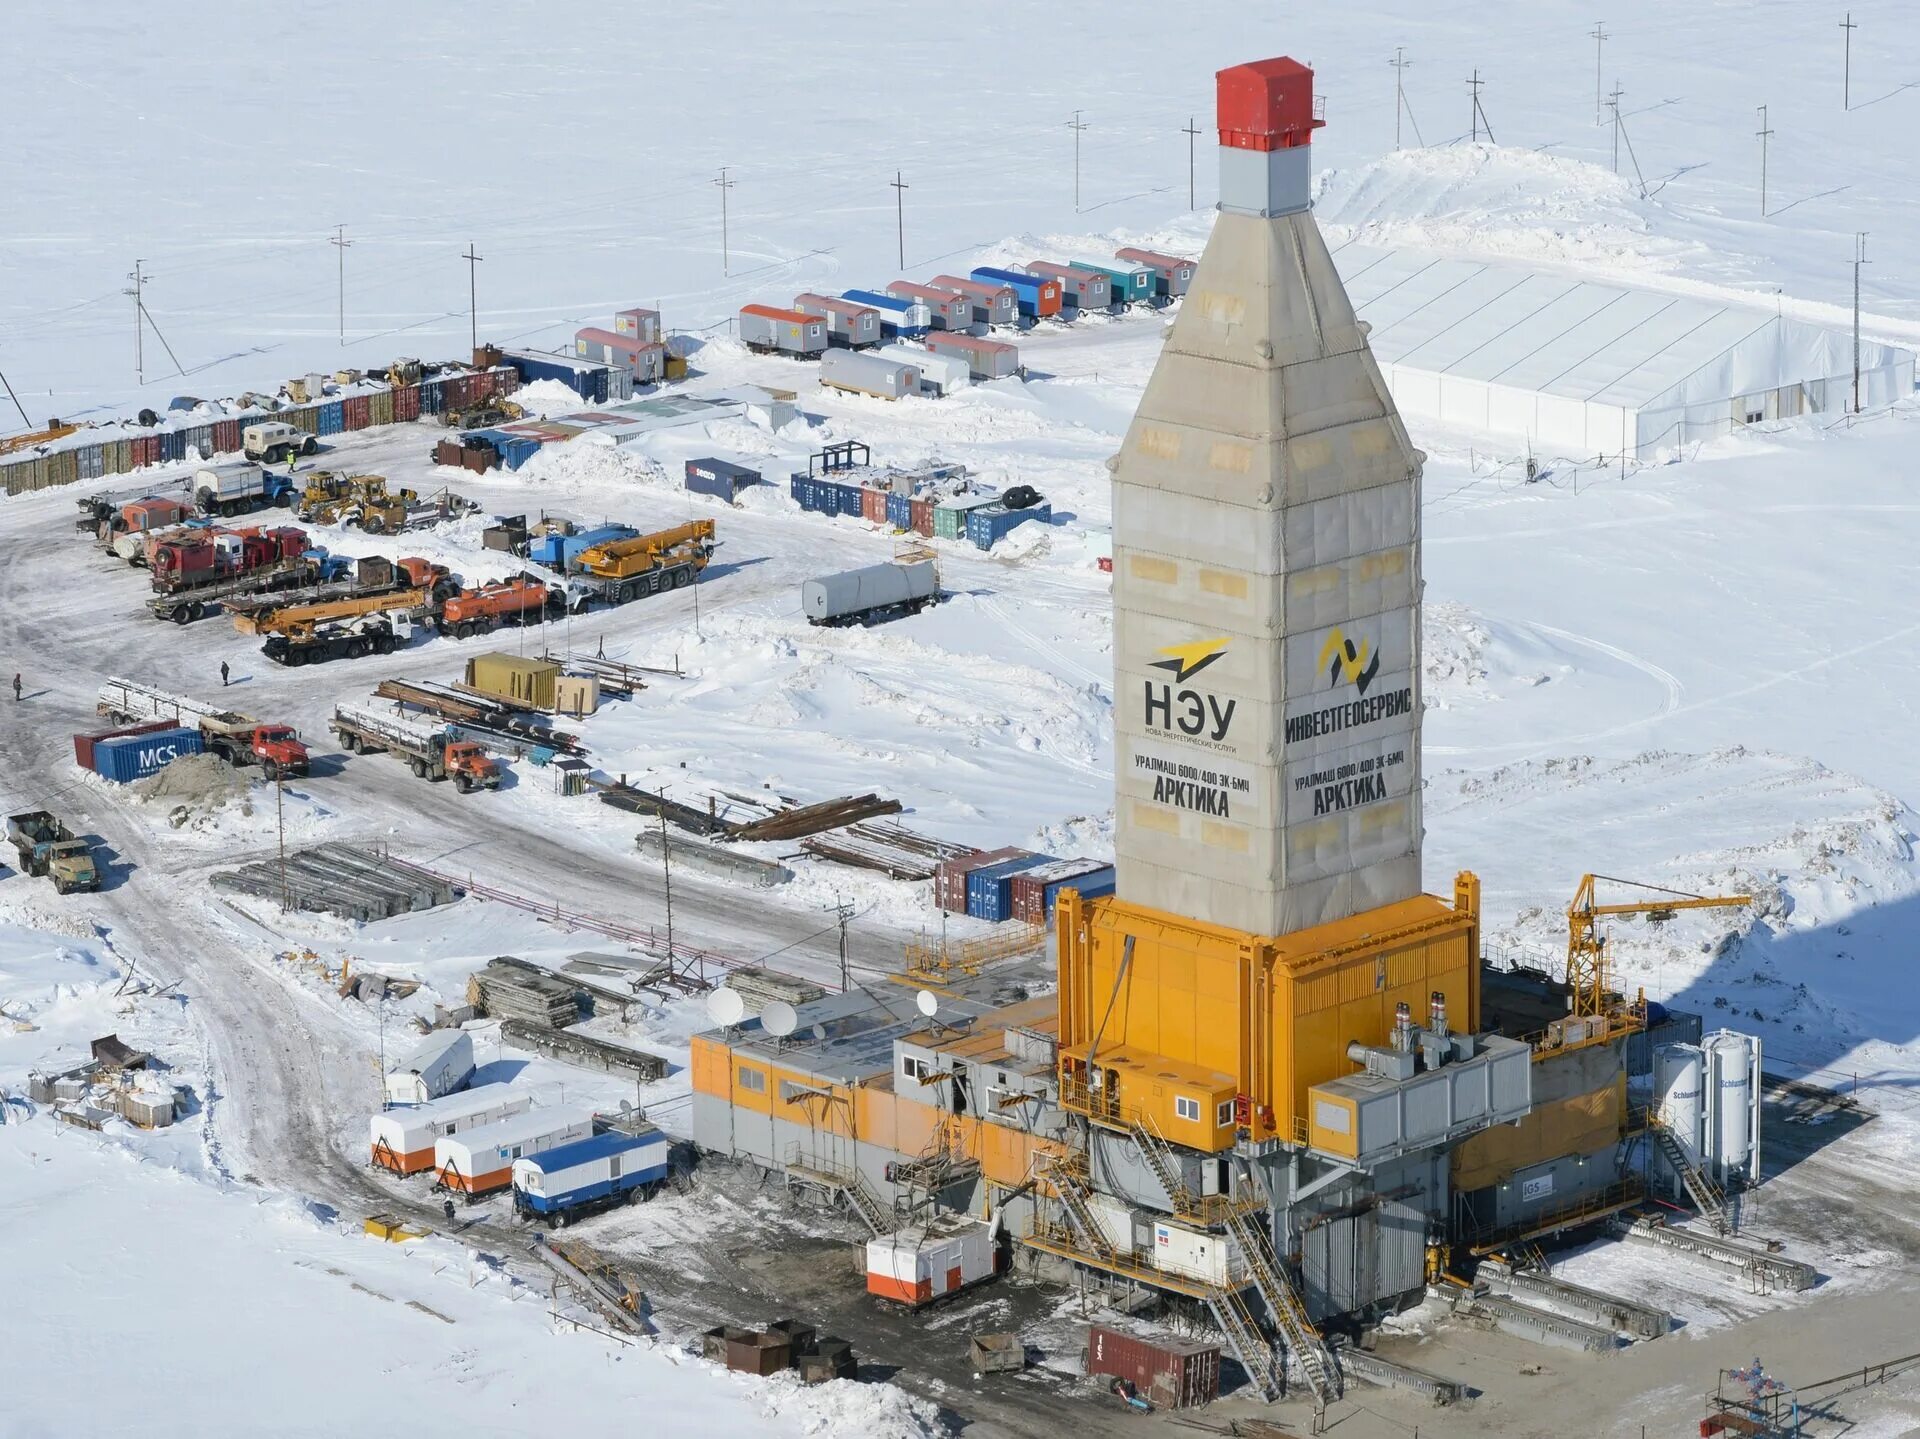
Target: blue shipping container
432	401
991	523
173	446
849	498
1091	885
719	478
333	418
900	511
516	450
135	756
990	890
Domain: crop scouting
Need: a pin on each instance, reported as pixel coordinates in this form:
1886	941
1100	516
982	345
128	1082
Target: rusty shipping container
356	412
406	403
921	517
1036	890
873	505
1170	1373
950	880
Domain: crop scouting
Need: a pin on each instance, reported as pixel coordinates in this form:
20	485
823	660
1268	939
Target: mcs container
125	758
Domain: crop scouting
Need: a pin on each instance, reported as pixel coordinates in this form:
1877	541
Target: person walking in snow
223	674
16	687
293	458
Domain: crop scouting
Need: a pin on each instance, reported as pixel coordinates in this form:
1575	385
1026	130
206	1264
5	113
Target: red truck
522	600
207	558
238	739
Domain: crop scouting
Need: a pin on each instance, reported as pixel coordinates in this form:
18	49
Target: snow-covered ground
1697	674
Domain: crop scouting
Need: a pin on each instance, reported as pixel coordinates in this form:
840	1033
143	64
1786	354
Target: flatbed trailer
187	605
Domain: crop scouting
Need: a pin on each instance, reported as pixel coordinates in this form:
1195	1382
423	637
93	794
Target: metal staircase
1705	1194
1066	1175
1263	1365
1166	1168
866	1204
1283	1302
943	1163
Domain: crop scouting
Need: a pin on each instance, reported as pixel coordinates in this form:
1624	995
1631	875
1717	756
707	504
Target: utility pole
666	861
16	400
1859	259
843	913
1599	34
726	260
139	323
1076	124
1846	91
1764	133
1479	114
900	188
473	292
1191	132
1613	101
340	242
280	818
1399	63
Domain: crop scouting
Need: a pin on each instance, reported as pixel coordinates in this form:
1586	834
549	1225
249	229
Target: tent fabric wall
1582	369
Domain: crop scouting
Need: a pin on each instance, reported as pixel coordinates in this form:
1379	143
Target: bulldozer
481	414
329	497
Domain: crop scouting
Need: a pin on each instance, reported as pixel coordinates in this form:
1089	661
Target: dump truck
522	600
434	751
271	441
49	849
621	570
238	739
239	490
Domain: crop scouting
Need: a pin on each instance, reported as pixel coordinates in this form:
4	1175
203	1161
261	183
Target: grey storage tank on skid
868	374
876	592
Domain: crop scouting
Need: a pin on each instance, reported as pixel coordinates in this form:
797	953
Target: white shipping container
945	372
442	1064
1210	1258
480	1159
404	1139
923	1263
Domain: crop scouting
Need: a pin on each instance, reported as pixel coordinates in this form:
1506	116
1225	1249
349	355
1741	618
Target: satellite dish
927	1003
819	1034
778	1019
725	1006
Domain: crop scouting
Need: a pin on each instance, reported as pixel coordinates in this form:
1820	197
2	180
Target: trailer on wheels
578	1179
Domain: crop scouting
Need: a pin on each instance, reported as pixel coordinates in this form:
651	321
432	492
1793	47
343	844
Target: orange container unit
479	1161
403	1139
918	1265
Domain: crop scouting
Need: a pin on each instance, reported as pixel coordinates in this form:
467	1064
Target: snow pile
849	1409
547	397
195	787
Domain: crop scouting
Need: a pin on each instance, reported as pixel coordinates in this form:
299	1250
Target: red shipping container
83	743
1170	1373
873	505
950	880
226	436
356	412
922	518
406	403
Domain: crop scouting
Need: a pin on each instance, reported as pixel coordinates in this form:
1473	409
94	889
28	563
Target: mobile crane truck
622	570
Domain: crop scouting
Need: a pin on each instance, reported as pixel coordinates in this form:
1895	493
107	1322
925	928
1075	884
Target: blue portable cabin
899	318
990	889
1038	295
555	550
603	1170
988	524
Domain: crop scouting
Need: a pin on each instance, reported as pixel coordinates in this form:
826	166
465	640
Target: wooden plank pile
799	821
893	849
511	989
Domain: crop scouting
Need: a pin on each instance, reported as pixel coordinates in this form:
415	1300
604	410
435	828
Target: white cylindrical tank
1732	1098
1678	1071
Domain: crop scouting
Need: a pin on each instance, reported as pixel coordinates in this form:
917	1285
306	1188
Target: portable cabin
948	310
480	1161
646	359
554	549
602	1169
939	374
1080	288
1128	283
770	331
849	325
441	1064
992	304
899	319
987	359
868	375
1172	275
922	1263
403	1139
1036	296
638	324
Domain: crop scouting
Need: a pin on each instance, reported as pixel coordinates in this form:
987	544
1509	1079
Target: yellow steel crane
1588	980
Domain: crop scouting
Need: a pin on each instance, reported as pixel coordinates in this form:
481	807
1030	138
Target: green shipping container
380	407
119	454
24	475
63	467
948	524
522	681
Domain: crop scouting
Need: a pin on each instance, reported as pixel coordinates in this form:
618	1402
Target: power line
1192	130
341	242
1613	103
726	260
1846	90
1479	115
1620	129
1600	38
1399	63
1764	133
1076	124
139	329
1859	259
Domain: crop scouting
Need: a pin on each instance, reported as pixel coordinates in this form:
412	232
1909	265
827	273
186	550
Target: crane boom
296	618
1588	979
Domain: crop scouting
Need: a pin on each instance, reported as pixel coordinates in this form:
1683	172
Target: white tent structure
1580	369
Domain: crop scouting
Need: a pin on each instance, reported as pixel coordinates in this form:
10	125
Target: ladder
1159	1156
1066	1174
1705	1194
1283	1302
866	1204
1256	1355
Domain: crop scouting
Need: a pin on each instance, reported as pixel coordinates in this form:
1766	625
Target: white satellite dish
778	1019
725	1006
927	1003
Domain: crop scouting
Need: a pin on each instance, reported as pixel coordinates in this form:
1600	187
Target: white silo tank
1731	1098
1678	1075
